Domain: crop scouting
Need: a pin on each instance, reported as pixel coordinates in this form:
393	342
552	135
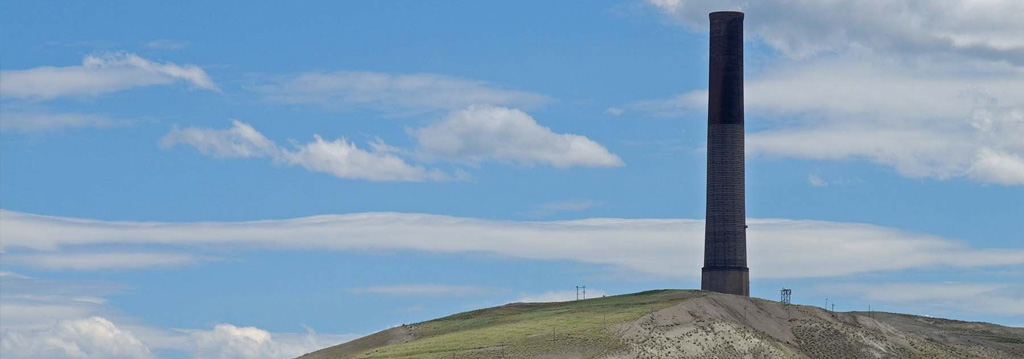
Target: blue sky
192	178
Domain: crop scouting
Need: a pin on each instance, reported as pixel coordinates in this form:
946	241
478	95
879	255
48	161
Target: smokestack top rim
726	14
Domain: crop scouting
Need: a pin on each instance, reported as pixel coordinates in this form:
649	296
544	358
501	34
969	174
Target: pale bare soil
726	326
682	324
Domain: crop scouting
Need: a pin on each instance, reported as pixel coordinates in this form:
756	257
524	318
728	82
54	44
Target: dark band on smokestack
725	235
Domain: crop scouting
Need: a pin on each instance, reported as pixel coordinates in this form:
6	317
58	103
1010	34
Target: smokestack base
726	280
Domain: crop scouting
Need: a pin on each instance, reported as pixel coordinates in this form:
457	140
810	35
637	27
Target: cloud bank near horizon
670	248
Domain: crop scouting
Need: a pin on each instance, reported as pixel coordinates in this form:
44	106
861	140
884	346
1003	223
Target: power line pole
584	292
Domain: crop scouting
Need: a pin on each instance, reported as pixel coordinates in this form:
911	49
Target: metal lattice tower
786	294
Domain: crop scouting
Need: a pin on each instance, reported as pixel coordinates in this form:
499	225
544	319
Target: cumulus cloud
86	338
98	75
929	88
340	158
954	297
487	133
661	247
48	319
226	341
344	160
395	93
423	290
99	338
35	122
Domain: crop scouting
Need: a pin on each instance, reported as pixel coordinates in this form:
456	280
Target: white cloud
98	75
32	304
815	180
87	338
344	160
954	297
559	296
48	319
226	341
395	93
423	290
614	111
239	141
998	167
987	29
101	260
30	122
487	133
99	338
929	88
339	158
662	247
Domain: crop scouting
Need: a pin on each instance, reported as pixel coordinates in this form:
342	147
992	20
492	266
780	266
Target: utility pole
833	307
577	292
584	292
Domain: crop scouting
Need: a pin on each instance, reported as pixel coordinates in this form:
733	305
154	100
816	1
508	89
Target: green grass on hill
531	328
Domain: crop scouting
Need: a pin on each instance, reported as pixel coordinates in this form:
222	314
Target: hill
681	324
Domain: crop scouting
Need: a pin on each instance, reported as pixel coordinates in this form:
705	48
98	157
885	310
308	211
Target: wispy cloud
424	290
392	93
98	75
340	158
168	44
549	208
35	122
815	180
614	111
955	297
487	133
661	247
102	260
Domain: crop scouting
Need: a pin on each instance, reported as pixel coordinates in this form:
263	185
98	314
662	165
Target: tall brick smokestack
725	234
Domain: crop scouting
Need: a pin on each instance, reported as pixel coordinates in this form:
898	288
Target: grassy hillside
680	324
520	328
